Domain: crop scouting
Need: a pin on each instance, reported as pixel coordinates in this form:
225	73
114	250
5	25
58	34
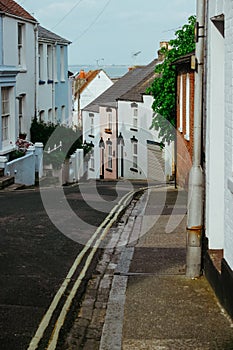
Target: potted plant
22	135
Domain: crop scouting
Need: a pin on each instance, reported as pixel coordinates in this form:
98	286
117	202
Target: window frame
5	114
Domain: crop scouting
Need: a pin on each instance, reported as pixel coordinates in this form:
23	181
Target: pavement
139	297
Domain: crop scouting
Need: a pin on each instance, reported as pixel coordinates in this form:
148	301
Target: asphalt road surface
39	245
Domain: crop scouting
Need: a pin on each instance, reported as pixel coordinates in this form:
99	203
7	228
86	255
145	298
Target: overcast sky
112	31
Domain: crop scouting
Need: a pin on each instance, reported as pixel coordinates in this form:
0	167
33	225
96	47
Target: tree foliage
163	88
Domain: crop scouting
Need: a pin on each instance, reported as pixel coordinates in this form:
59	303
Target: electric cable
93	22
67	14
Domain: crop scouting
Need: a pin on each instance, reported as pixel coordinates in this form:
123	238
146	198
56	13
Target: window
5	92
62	63
63	114
109	145
92	125
135	155
187	114
50	115
49	63
134	143
110	120
41	116
20	114
181	103
56	112
135	118
20	44
40	59
55	65
92	160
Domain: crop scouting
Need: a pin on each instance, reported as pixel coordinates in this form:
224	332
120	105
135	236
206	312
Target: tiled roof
44	33
136	93
123	85
12	8
88	78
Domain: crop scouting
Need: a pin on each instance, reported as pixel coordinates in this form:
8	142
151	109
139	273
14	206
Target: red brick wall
184	147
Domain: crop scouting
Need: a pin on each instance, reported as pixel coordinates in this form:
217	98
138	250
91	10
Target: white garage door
156	163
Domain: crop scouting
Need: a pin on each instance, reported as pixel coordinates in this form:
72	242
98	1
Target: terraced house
17	77
34	84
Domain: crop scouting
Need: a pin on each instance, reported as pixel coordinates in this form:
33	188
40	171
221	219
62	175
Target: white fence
25	168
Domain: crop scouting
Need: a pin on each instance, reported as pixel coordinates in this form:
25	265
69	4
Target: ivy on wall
163	89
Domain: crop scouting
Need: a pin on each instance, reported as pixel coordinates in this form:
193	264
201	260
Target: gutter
196	183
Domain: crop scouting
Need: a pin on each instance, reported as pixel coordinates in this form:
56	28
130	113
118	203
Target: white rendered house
53	85
18	56
219	149
87	87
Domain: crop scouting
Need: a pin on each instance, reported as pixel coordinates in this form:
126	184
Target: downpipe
196	183
194	223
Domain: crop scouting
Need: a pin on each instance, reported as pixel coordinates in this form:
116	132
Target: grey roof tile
46	34
123	85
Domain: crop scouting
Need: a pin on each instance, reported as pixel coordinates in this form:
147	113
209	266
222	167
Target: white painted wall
92	173
143	134
215	132
25	81
94	89
228	136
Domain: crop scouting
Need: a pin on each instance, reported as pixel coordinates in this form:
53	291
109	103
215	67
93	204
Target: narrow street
36	257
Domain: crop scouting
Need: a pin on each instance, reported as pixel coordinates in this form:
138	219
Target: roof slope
123	85
46	34
135	94
12	8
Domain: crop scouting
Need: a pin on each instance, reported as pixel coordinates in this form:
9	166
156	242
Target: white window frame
63	114
135	154
92	125
135	118
50	115
62	63
110	155
21	58
49	62
187	114
40	61
181	103
20	113
92	160
5	97
110	120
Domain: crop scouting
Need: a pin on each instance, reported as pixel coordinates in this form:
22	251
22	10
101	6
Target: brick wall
184	146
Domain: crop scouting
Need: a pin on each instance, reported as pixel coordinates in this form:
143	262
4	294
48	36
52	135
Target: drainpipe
195	190
36	72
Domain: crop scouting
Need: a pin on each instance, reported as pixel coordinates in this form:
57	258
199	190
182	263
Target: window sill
7	149
109	170
230	184
133	129
22	70
108	131
186	137
41	82
134	170
180	130
91	169
91	136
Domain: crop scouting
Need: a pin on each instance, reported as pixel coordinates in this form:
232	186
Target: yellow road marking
47	317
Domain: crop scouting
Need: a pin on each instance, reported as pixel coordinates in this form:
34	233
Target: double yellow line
105	226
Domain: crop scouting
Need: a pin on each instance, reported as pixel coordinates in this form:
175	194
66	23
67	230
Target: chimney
163	44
